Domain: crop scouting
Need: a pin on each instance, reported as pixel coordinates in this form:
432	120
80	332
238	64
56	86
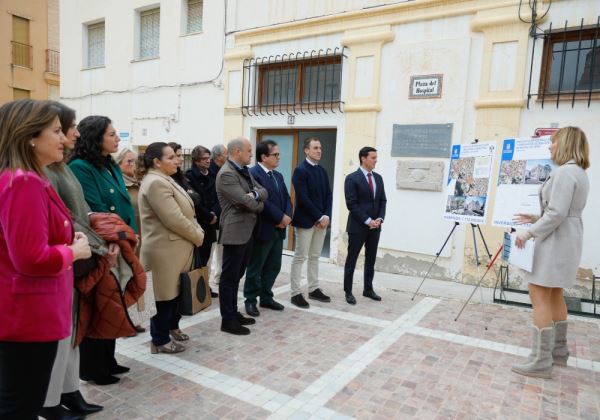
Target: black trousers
235	261
370	239
167	318
25	370
203	252
96	358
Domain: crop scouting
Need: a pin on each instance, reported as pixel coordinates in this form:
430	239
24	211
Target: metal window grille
149	33
570	67
194	15
96	36
53	61
22	54
296	83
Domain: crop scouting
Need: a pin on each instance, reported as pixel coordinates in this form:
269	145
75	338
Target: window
22	52
571	62
20	94
305	81
194	16
95	45
149	33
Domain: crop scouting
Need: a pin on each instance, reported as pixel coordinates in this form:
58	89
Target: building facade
30	50
348	72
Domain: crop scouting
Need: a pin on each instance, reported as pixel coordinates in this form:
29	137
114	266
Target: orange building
29	50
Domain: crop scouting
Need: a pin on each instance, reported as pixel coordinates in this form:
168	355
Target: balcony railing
53	61
22	54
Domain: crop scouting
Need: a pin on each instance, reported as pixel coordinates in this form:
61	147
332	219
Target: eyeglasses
130	161
205	158
274	154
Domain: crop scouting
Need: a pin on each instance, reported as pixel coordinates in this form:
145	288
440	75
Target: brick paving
377	360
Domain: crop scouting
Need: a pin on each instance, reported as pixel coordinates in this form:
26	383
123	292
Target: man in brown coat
241	199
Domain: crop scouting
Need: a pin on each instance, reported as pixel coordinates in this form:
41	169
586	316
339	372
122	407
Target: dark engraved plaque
422	140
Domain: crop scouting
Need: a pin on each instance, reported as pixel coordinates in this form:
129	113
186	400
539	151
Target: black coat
208	204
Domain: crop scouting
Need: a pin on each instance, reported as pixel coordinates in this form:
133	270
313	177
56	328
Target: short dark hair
308	140
175	146
364	152
264	148
198	152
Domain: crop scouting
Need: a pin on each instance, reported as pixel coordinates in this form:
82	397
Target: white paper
524	167
521	257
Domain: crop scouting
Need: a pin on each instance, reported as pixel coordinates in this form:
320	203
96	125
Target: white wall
176	97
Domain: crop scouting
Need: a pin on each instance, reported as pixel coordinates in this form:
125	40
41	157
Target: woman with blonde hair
38	246
558	234
169	234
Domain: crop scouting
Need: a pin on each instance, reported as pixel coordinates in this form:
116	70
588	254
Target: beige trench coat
559	231
169	232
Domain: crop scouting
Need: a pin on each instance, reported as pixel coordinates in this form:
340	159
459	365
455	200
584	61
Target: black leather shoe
371	295
118	369
299	301
213	294
245	321
276	306
105	380
251	309
58	413
75	402
317	294
350	299
233	326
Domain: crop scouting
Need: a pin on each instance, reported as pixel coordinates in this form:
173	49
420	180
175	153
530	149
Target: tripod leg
437	255
475	245
479	284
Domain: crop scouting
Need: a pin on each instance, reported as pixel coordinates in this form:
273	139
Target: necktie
370	177
270	173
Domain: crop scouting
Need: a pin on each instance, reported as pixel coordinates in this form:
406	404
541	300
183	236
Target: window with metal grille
194	15
295	83
95	44
570	67
149	33
22	52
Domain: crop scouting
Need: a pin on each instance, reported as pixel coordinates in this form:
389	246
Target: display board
524	167
468	183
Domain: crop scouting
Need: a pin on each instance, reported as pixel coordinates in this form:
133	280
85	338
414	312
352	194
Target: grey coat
558	232
238	210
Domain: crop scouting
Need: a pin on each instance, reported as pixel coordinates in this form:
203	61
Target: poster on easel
525	165
468	185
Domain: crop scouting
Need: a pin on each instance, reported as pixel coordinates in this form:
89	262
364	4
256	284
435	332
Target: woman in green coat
104	190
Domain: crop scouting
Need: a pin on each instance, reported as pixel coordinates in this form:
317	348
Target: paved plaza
379	360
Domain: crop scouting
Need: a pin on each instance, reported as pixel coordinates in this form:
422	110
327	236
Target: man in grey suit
241	199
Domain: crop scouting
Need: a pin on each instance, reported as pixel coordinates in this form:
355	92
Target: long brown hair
20	122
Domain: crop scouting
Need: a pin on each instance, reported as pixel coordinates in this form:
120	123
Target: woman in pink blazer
37	250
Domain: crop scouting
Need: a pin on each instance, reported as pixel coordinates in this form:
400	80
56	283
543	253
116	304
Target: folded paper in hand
521	257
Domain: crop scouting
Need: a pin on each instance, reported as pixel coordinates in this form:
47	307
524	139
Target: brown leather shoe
171	347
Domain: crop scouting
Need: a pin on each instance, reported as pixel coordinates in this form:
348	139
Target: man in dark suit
312	215
241	199
365	199
265	260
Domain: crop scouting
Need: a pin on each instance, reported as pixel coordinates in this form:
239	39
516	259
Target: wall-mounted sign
425	86
422	140
540	132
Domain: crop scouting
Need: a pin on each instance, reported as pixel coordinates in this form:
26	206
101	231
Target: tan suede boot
539	362
560	353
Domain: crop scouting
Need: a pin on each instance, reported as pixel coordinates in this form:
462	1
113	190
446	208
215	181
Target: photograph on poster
525	166
469	182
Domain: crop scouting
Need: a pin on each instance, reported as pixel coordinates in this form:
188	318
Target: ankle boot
539	362
59	413
75	402
560	353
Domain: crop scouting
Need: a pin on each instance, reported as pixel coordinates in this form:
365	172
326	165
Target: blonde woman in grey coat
558	235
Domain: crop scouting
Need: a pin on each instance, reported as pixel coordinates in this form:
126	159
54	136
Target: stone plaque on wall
422	140
425	175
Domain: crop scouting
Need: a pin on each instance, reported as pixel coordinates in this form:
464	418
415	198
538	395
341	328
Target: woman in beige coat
558	234
169	234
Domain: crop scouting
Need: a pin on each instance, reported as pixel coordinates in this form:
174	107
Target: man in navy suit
312	215
365	199
265	260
